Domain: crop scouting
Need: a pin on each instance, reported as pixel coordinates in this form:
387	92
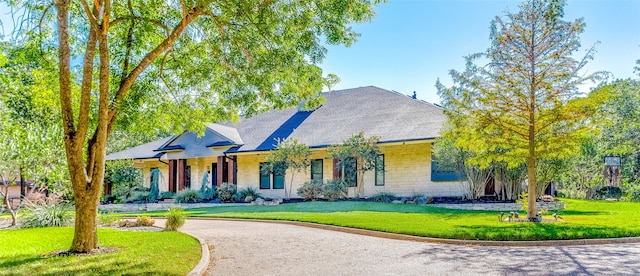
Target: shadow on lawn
96	264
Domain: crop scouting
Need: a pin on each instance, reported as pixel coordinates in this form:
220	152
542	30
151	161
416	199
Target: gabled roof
375	111
145	151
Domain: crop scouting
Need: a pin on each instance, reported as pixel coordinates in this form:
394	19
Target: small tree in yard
522	106
361	150
290	155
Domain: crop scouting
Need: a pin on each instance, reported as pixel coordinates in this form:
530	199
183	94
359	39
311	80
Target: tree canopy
521	106
150	64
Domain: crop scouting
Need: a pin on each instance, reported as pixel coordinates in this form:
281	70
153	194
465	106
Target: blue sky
412	43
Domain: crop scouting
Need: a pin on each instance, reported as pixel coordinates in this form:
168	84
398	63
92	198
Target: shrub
175	219
207	192
145	197
632	193
48	212
383	197
311	190
334	190
226	192
187	196
608	192
247	195
167	195
145	221
140	197
108	219
109	198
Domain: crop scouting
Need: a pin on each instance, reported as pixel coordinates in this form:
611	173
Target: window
265	176
275	176
316	170
278	180
350	171
380	170
187	180
444	171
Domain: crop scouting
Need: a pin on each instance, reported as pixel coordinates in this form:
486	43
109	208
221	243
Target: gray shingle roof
145	151
376	111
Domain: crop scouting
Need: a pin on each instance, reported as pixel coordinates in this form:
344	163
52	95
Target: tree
522	106
290	155
31	149
361	150
178	64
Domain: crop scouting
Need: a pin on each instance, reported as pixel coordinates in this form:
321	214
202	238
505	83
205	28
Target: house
407	128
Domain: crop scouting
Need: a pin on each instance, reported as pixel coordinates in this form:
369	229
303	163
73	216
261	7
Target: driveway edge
405	237
205	258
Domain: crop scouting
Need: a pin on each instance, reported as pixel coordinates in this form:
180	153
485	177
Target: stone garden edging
205	258
540	205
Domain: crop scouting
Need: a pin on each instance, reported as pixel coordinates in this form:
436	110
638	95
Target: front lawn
582	219
22	252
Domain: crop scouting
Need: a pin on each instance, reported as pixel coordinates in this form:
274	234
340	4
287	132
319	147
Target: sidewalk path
259	248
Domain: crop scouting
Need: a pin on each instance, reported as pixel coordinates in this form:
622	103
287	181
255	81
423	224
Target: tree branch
149	58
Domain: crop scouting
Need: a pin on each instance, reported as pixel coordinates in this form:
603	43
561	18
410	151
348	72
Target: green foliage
257	56
47	212
187	196
359	149
386	197
522	106
523	198
167	195
247	195
334	190
124	178
311	190
207	192
154	189
145	221
108	219
226	192
291	155
175	218
608	192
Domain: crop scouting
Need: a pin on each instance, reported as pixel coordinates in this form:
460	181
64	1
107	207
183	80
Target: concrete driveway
259	248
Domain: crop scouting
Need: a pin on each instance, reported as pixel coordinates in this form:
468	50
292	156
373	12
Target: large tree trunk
86	197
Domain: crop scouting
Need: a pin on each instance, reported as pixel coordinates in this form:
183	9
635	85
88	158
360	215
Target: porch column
220	170
182	165
231	168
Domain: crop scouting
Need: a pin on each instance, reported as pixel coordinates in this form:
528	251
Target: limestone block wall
407	172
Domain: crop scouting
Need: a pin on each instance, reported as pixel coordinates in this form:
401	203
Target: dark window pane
265	177
380	170
316	169
278	181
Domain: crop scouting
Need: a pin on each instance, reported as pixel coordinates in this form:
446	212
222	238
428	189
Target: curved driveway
259	248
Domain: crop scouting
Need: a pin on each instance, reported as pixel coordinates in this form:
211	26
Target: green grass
138	253
582	219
